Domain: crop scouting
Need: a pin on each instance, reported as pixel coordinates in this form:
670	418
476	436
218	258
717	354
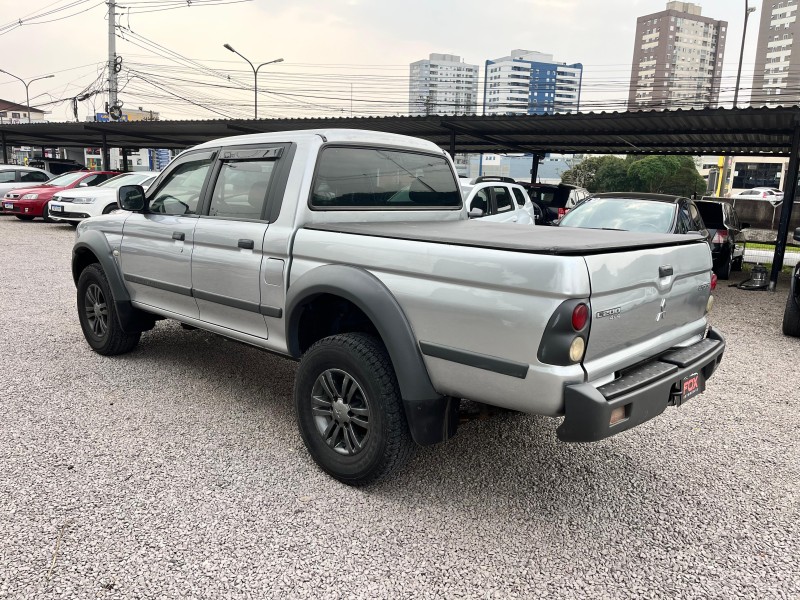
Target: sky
340	57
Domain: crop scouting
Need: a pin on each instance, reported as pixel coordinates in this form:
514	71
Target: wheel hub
341	411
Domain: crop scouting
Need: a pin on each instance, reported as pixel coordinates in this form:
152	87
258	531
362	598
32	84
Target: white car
16	176
498	199
75	205
774	195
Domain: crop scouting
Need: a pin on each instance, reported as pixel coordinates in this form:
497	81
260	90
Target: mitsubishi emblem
663	312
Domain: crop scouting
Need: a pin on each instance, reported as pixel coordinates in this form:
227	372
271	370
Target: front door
156	249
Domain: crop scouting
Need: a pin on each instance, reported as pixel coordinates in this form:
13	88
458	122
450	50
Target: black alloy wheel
349	409
98	314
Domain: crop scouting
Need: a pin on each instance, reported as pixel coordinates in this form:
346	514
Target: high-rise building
677	59
443	84
531	83
776	77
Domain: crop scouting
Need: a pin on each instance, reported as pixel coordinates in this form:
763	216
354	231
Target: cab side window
502	198
179	192
32	176
241	189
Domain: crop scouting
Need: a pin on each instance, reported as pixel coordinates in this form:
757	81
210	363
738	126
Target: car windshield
125	179
66	179
629	214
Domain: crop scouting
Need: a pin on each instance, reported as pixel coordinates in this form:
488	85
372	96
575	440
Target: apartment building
677	59
531	83
776	76
442	84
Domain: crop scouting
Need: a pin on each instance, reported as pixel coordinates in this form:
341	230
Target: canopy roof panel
719	131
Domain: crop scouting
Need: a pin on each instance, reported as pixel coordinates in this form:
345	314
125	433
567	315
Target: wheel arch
432	417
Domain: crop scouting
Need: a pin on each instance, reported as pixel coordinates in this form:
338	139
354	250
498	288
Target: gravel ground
177	472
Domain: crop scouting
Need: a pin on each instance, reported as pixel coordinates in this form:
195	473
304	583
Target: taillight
721	237
579	317
713	281
561	212
763	194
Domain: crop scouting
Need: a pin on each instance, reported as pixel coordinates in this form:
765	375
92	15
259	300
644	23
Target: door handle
246	244
178	235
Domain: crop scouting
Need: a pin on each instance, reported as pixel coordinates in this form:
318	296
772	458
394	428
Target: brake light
561	212
713	281
579	317
763	194
720	237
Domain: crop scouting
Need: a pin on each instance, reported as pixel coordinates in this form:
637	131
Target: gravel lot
177	472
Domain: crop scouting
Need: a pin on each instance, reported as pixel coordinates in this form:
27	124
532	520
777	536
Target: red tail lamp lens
713	281
579	317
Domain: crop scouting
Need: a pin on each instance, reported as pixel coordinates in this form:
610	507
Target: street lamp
27	96
747	11
255	74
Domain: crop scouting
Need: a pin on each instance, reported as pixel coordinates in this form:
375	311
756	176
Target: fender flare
94	242
431	417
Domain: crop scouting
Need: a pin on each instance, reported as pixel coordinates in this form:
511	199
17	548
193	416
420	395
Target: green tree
584	173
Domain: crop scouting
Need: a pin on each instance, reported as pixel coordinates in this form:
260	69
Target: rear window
711	213
621	213
383	179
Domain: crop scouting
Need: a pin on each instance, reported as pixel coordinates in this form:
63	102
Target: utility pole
112	55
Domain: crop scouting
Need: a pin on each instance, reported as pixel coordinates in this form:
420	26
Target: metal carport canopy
716	131
744	131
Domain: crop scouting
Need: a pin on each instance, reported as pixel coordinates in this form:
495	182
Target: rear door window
241	189
350	178
480	201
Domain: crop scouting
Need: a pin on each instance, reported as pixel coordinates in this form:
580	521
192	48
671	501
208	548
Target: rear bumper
644	392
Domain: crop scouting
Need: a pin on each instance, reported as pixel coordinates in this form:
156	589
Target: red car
28	203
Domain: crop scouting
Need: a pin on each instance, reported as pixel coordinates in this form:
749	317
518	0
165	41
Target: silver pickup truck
352	252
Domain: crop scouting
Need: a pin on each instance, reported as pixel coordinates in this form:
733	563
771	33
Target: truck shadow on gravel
510	460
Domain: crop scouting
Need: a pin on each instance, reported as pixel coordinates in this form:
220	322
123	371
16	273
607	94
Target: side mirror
745	225
131	197
796	235
83	184
474	213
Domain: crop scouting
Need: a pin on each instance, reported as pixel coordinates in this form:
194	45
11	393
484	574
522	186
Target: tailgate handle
178	235
665	271
246	244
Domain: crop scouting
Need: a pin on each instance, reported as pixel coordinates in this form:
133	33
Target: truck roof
330	135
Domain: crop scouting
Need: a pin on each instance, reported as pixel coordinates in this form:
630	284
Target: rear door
649	297
229	239
156	249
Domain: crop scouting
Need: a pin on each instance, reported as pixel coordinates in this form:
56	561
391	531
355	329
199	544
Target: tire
24	217
724	270
737	264
349	409
46	214
107	210
98	315
791	317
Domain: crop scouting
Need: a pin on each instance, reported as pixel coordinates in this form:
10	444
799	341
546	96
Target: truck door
229	240
156	249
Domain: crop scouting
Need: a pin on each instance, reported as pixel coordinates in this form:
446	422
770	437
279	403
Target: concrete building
677	59
531	83
776	76
442	84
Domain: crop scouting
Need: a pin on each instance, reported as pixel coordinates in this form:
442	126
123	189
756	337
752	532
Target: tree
584	173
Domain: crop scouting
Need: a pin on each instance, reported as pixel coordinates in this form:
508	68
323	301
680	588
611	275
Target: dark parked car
657	213
553	201
727	238
791	316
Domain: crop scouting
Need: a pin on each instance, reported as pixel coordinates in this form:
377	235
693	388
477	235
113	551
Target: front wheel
349	409
98	315
46	213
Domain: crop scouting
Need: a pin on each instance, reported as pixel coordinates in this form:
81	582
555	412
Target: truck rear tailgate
651	297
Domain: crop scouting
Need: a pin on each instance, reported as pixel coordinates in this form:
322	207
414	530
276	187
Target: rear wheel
724	270
349	409
98	315
24	217
791	317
